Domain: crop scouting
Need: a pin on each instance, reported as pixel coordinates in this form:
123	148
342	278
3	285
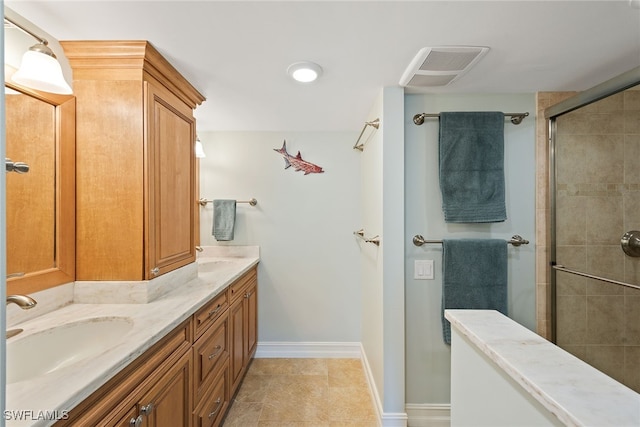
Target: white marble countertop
64	388
575	392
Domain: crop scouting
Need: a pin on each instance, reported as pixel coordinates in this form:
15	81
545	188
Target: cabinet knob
136	422
146	410
155	271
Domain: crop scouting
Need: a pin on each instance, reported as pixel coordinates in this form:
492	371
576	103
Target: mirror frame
65	234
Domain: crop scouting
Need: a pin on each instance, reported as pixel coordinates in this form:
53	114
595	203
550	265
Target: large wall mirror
40	204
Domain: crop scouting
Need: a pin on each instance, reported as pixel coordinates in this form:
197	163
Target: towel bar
373	123
516	240
516	118
375	239
252	202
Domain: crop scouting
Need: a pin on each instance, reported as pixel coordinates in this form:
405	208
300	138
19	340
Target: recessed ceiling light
304	72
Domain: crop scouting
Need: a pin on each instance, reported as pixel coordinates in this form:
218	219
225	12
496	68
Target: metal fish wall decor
297	162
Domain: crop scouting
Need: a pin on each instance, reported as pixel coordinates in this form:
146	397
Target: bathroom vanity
177	361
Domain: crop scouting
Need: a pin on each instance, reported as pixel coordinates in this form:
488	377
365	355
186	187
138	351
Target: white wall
428	358
309	277
383	267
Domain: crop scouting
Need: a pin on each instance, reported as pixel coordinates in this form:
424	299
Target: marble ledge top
63	389
575	392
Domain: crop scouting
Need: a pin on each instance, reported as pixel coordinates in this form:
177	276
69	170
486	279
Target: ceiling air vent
440	66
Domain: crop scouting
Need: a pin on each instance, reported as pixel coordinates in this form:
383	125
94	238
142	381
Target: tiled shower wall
598	199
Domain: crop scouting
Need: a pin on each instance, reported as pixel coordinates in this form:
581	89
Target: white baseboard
387	419
429	415
325	350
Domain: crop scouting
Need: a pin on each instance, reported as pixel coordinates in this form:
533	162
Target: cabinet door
168	402
171	175
237	346
251	312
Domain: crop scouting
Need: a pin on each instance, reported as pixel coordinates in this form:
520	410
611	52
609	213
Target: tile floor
303	393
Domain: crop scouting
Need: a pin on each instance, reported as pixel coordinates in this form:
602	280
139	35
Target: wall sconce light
199	149
40	69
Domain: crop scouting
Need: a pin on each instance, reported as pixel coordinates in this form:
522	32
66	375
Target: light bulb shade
41	71
199	149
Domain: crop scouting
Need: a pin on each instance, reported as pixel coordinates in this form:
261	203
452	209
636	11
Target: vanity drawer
209	313
236	289
211	411
210	353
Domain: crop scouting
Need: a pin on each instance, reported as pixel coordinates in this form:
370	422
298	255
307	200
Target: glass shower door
597	200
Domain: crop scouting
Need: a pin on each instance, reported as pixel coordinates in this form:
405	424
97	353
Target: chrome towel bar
373	123
375	239
516	240
516	118
252	202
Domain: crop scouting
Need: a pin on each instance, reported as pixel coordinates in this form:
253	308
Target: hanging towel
474	276
224	219
472	166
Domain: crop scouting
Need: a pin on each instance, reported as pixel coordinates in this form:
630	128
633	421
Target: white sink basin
211	265
44	352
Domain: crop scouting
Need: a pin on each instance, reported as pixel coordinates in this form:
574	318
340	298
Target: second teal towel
224	219
472	166
474	276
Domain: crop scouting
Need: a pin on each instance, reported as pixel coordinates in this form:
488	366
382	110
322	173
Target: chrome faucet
23	301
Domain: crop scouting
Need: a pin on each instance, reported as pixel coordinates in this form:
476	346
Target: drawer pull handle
216	353
218	403
215	310
248	295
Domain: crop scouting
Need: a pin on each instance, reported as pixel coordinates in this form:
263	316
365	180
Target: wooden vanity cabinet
243	324
188	378
156	383
136	171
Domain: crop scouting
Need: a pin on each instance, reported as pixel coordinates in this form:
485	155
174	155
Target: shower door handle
562	268
630	243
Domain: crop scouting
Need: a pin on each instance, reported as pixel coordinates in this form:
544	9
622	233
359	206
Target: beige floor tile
346	373
254	388
351	404
297	398
243	414
303	393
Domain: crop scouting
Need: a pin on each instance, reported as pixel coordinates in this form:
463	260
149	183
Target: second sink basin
46	351
209	265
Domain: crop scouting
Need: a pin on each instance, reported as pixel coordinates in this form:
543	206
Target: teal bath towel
474	276
471	151
224	219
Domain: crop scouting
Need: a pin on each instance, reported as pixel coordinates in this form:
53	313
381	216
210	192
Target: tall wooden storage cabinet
136	179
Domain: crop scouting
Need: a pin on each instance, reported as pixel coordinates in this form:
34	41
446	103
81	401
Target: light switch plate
423	269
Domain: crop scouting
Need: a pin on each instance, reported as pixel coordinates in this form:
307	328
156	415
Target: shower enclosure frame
610	87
